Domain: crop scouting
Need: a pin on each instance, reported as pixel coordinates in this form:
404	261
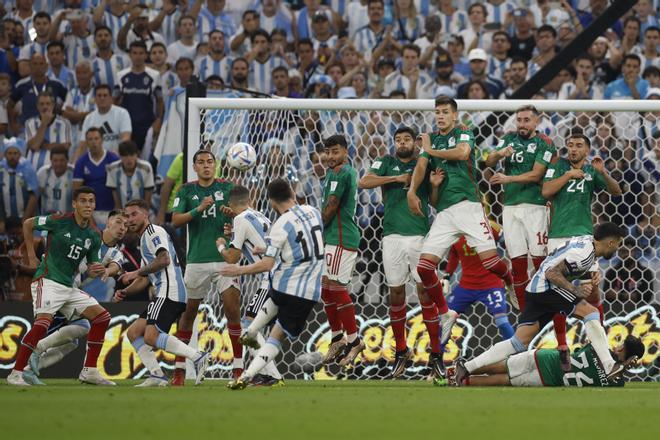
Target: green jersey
571	208
67	246
537	149
342	229
460	181
586	369
205	227
398	219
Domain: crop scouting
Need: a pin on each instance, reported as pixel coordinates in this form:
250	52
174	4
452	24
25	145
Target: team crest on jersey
452	142
219	196
88	243
588	177
531	148
145	80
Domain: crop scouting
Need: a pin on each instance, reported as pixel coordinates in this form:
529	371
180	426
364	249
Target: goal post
287	135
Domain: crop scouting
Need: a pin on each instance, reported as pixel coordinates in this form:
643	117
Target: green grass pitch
327	410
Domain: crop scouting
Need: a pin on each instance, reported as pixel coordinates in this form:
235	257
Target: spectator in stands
499	61
41	22
499	12
79	101
90	170
359	83
645	234
240	43
215	62
368	37
582	87
629	42
186	45
281	83
475	35
630	86
274	15
430	41
158	57
46	131
139	91
652	75
308	65
595	10
649	54
18	182
113	121
455	47
136	28
57	71
184	69
323	37
408	24
551	89
606	69
409	78
56	183
522	41
171	184
167	19
628	279
77	39
546	48
644	11
212	16
446	80
304	16
107	64
240	69
453	20
130	177
478	61
517	76
113	14
5	92
262	62
26	93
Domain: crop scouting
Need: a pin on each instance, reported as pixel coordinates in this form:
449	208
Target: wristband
221	248
194	213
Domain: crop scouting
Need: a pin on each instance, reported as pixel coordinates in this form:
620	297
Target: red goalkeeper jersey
474	276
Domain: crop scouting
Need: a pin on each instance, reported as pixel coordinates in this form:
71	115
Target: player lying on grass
161	269
64	335
248	232
296	239
551	291
542	368
72	238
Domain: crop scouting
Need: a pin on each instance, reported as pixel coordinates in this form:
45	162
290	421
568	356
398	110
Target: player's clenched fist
206	202
575	173
118	296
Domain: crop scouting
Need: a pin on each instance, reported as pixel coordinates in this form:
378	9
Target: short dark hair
307	41
504	34
651	28
650	70
577	133
249	11
446	100
216	31
370	2
547	28
405	129
83	190
528	108
46	94
335	139
202	151
410	46
478	5
239	194
41	14
609	229
584	56
55	44
631	56
140	203
155	45
397	92
279	190
59	149
117	213
632	18
127	148
236	60
280	69
518	59
96	129
184	60
101	87
139	44
633	346
185	17
258	32
102	28
278	31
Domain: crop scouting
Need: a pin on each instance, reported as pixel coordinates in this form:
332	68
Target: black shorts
292	312
163	312
256	303
541	307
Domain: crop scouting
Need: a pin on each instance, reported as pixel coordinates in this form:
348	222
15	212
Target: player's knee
151	335
132	333
584	309
397	295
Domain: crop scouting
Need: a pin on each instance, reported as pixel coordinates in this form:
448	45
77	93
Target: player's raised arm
611	185
460	152
497	155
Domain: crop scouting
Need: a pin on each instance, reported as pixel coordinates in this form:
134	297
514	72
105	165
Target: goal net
288	136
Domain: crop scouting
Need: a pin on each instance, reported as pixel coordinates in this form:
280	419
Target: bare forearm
435	193
493	158
613	186
372	181
556	276
552	187
34	143
461	152
533	176
263	265
31	207
159	263
138	285
28	231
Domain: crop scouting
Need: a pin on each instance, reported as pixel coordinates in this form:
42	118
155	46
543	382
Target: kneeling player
295	282
163	271
247	237
542	368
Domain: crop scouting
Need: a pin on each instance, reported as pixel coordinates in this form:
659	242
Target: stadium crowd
84	86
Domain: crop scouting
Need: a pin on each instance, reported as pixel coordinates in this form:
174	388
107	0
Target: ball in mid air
242	156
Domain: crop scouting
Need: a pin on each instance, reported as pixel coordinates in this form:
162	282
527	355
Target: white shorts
522	370
464	218
525	229
339	263
554	243
200	277
400	257
51	297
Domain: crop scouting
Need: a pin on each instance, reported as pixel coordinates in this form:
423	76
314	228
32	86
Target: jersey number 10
318	251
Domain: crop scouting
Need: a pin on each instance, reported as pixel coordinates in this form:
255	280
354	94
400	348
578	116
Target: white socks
266	354
148	357
596	334
270	369
56	354
172	344
496	353
266	314
61	336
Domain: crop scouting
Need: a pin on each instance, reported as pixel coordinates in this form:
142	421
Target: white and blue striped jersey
260	76
367	40
66	77
297	239
168	27
207	66
168	282
578	254
16	186
454	23
55	191
30	49
497	67
498	13
78	49
206	22
115	23
107	71
398	81
249	232
133	186
107	254
178	50
58	132
79	101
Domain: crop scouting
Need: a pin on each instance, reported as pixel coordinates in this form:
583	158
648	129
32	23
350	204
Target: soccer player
458	205
199	205
477	284
296	239
403	235
527	154
342	238
551	291
571	184
162	268
248	236
64	335
542	368
71	239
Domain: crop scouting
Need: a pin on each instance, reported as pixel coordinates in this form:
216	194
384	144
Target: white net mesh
289	145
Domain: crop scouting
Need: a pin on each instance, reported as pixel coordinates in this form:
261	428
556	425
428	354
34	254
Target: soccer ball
309	363
241	156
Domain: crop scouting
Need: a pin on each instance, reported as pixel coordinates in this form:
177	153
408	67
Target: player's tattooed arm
330	209
231	255
266	264
557	275
161	262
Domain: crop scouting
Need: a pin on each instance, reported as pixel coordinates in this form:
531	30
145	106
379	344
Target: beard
404	153
240	79
524	133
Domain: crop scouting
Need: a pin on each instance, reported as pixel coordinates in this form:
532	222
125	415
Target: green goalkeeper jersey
205	228
586	369
570	215
398	219
67	246
460	181
537	149
342	229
